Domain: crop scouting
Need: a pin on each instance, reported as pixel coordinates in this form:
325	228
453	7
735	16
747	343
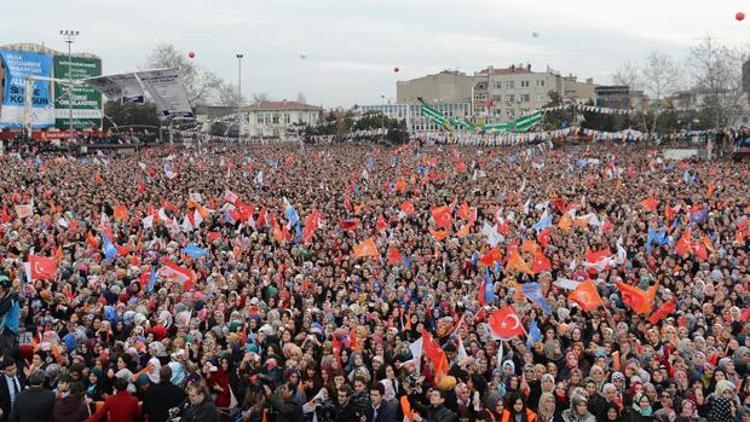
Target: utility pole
239	97
69	38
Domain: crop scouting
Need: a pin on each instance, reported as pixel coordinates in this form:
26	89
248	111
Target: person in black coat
162	396
72	407
379	410
201	407
285	405
347	410
438	411
8	379
34	404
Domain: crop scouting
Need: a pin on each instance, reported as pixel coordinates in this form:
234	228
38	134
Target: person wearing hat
10	317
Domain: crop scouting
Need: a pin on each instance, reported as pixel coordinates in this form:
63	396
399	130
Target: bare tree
661	79
201	84
628	74
259	97
301	98
717	73
228	94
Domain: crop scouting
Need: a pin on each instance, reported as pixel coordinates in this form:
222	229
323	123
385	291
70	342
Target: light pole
69	37
239	96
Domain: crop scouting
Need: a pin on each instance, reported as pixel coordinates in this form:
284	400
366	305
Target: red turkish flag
491	257
464	211
394	256
381	224
505	324
42	268
442	216
407	207
540	263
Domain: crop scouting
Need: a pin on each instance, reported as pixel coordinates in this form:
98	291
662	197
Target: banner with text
17	67
167	90
87	101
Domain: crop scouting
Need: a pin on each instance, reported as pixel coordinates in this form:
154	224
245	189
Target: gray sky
353	45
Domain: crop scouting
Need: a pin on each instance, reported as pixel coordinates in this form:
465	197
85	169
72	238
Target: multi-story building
448	86
619	96
275	118
412	113
508	93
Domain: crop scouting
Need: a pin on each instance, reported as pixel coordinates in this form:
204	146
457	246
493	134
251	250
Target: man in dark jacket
286	406
162	396
34	404
201	408
438	411
379	409
347	410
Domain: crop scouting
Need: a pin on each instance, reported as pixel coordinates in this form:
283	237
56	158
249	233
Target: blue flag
489	288
543	223
407	262
195	251
659	237
699	217
474	258
535	334
228	218
370	162
497	269
533	291
291	214
394	160
151	280
110	251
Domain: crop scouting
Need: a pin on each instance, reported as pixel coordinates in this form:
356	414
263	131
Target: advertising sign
121	88
166	88
17	67
87	101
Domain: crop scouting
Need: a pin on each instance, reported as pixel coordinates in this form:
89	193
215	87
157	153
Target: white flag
148	222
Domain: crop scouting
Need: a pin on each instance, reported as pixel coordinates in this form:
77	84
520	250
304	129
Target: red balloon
739	16
395	69
191	54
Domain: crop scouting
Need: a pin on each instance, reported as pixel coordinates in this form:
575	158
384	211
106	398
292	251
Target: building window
510	84
510	98
267	118
498	85
540	82
260	118
510	113
524	84
525	98
275	118
287	119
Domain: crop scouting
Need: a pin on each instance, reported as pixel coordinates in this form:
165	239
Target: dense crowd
362	283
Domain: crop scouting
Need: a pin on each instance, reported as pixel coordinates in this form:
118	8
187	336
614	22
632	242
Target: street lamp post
69	38
239	96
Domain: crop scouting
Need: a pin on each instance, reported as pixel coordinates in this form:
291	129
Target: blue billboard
18	66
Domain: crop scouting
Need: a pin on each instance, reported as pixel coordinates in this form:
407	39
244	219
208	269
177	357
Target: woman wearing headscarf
578	411
723	407
516	410
546	411
641	409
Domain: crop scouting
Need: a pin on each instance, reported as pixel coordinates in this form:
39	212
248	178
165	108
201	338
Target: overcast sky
352	46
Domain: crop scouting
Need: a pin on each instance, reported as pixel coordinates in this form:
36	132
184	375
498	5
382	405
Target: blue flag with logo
195	251
535	334
533	291
489	288
151	280
110	251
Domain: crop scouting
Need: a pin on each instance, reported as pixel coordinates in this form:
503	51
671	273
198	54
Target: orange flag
709	245
406	409
366	248
464	230
400	185
91	240
530	246
566	222
586	296
438	234
491	257
464	211
120	213
638	300
515	262
710	190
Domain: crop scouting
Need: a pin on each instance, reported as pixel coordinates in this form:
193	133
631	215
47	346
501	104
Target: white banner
124	87
167	90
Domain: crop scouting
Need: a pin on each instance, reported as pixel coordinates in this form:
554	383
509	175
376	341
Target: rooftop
282	105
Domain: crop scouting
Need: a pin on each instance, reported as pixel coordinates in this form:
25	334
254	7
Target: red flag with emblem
638	300
650	204
394	256
505	324
381	224
586	296
41	267
492	256
682	247
540	263
407	207
442	216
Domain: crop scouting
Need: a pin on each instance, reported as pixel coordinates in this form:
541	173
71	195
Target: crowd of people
348	282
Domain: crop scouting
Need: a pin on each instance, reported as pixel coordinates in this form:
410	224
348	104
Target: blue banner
18	66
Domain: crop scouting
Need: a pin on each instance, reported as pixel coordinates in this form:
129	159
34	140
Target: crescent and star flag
394	256
41	267
665	309
505	324
640	301
442	216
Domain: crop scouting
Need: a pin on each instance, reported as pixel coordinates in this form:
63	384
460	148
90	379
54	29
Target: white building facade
412	113
274	119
